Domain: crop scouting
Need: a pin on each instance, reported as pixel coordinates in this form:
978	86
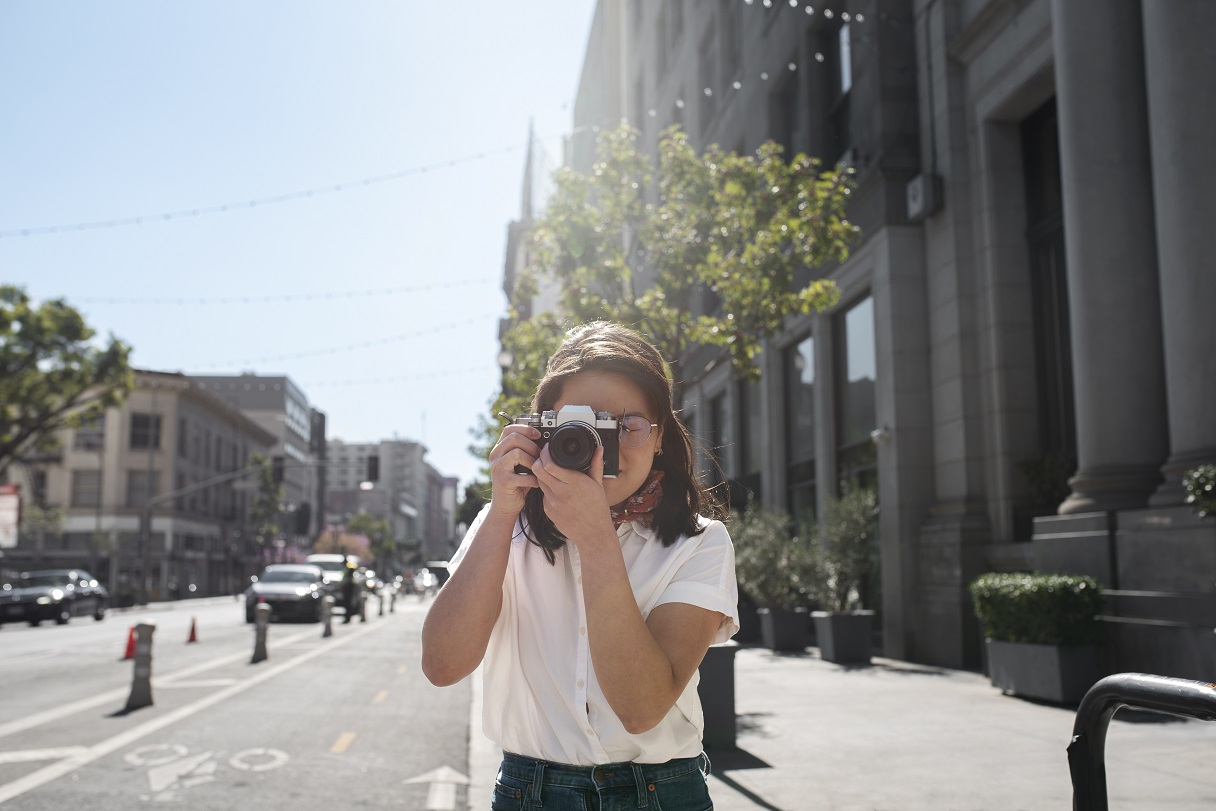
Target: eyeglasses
635	430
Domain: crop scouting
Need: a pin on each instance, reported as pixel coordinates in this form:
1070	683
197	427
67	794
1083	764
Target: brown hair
605	347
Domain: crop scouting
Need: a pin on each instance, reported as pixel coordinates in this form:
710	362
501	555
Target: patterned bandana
641	505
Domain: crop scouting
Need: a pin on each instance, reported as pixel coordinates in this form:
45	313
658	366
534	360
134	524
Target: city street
321	723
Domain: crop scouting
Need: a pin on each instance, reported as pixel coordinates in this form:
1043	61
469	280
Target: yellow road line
344	741
380	696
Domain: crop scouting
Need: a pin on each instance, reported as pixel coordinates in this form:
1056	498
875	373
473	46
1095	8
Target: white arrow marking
163	777
442	794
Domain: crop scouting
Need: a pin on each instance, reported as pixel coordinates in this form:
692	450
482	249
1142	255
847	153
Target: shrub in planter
1200	484
841	558
1041	631
772	568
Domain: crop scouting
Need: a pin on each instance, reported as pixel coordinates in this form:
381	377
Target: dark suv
53	594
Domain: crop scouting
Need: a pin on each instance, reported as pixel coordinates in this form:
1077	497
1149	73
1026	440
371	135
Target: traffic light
373	468
276	469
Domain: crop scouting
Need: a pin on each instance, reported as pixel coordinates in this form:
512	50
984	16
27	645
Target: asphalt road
346	721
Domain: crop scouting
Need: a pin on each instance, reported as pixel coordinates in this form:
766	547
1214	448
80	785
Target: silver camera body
573	433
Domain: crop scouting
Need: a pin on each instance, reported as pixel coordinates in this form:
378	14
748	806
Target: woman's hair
605	347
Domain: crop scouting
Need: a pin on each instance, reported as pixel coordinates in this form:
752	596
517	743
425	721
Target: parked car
53	594
292	590
334	567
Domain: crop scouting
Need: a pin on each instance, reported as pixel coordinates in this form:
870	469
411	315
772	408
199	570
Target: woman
592	600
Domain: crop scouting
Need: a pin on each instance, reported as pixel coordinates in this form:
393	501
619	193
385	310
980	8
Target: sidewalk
813	735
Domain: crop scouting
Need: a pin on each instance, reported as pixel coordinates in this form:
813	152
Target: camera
573	434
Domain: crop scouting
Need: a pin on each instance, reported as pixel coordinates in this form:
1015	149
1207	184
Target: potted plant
771	566
1200	484
841	563
1041	633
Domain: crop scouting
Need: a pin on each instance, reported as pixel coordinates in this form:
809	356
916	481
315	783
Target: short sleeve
463	549
706	579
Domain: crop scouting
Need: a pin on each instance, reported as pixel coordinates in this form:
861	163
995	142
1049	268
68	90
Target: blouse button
582	631
581	683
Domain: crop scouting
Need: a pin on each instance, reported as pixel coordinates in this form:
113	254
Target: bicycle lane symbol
172	769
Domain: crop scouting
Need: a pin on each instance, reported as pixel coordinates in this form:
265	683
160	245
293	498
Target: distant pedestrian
349	567
592	599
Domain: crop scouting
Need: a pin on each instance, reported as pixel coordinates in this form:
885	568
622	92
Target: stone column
1180	65
1111	252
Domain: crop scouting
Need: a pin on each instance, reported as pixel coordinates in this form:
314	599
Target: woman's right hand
516	446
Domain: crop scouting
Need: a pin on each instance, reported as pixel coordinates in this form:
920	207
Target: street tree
378	533
52	373
267	506
711	250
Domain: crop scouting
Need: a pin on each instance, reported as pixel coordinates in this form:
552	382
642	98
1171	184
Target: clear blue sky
118	110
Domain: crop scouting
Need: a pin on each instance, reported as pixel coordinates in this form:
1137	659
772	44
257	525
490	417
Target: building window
856	365
732	49
141	486
219	453
837	53
783	116
91	435
145	431
38	487
751	439
719	437
183	443
676	29
799	363
661	44
86	488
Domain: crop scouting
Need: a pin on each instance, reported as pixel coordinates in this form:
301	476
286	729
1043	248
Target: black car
53	594
293	591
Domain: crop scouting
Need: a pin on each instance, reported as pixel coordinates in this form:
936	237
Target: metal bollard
392	602
327	616
261	619
381	596
141	684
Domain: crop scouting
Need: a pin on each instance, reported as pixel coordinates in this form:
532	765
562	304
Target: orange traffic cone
130	654
193	634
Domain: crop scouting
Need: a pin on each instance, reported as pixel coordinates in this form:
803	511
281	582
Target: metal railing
1162	694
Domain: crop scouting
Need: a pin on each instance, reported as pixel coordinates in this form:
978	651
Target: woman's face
605	391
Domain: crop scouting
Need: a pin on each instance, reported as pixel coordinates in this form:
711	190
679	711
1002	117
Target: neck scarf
641	505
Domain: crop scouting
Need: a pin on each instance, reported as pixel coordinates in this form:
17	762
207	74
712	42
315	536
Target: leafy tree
51	373
265	511
378	533
336	540
476	496
39	522
720	258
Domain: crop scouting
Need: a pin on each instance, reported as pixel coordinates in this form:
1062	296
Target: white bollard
141	684
327	616
261	619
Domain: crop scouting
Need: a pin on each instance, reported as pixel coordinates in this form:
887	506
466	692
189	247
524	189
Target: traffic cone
193	634
130	654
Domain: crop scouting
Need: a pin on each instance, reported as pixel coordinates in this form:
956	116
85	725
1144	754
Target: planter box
717	692
844	638
783	630
1048	672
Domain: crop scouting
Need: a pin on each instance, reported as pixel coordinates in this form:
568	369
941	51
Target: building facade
169	435
281	407
1019	361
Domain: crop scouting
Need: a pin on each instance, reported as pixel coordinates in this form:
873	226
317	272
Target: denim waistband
606	775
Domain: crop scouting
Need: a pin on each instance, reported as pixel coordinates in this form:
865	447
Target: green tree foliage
773	566
378	533
476	496
267	506
1200	484
52	375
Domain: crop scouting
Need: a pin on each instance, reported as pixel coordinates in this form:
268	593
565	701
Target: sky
353	167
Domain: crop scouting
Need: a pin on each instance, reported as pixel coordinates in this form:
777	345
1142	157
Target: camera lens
573	445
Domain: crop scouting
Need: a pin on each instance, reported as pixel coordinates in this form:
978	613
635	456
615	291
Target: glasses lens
635	431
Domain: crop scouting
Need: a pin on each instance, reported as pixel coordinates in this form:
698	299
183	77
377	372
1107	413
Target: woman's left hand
575	501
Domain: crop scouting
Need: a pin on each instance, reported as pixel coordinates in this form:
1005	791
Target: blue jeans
527	783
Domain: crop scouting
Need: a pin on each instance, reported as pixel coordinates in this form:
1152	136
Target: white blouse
541	697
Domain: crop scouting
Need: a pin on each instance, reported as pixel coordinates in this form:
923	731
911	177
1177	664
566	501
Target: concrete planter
717	692
781	629
1047	672
844	638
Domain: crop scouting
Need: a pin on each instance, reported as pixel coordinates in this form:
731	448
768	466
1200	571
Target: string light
333	350
224	208
281	298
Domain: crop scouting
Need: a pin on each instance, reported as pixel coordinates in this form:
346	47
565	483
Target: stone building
169	435
1021	357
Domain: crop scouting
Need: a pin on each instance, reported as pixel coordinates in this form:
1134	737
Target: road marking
202	682
70	764
113	696
441	796
31	755
165	753
380	696
344	741
263	760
